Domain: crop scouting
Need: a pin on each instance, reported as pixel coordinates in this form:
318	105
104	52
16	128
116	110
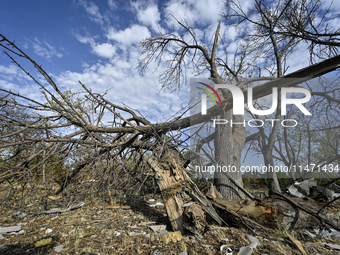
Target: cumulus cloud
126	86
194	12
125	83
104	50
147	13
129	87
129	36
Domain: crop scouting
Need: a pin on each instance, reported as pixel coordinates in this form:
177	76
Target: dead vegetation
97	228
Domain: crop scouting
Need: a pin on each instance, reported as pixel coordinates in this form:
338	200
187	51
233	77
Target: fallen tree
92	140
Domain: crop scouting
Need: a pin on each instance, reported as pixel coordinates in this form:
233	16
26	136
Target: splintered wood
172	179
167	182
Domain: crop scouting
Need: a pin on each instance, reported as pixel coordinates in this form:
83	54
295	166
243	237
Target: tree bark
271	175
229	142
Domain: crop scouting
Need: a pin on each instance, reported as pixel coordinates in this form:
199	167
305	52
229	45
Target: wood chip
296	242
114	207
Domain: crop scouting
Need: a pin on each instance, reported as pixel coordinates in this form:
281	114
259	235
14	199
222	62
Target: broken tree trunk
172	179
170	188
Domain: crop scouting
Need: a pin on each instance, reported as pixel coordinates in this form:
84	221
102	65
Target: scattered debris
302	189
254	242
157	253
333	246
118	207
188	204
309	234
64	210
158	204
171	237
10	229
225	240
321	193
296	242
248	250
158	228
92	180
229	251
245	250
19	214
223	246
183	253
147	223
325	233
48	231
92	225
43	242
134	234
59	248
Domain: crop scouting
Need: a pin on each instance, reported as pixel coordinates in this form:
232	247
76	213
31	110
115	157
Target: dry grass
94	227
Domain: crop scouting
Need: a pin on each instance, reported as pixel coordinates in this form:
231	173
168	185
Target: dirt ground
96	228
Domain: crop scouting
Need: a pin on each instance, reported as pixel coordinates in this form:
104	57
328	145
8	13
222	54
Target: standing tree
265	25
278	29
175	50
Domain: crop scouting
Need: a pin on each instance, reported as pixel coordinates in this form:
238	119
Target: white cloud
112	5
128	86
23	86
334	4
332	24
299	59
129	36
93	11
6	85
148	14
45	50
200	12
11	70
104	50
230	33
85	39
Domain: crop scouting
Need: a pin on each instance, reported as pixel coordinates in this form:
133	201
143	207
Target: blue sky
95	42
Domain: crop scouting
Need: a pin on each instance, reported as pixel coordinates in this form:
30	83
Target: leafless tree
316	139
276	29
